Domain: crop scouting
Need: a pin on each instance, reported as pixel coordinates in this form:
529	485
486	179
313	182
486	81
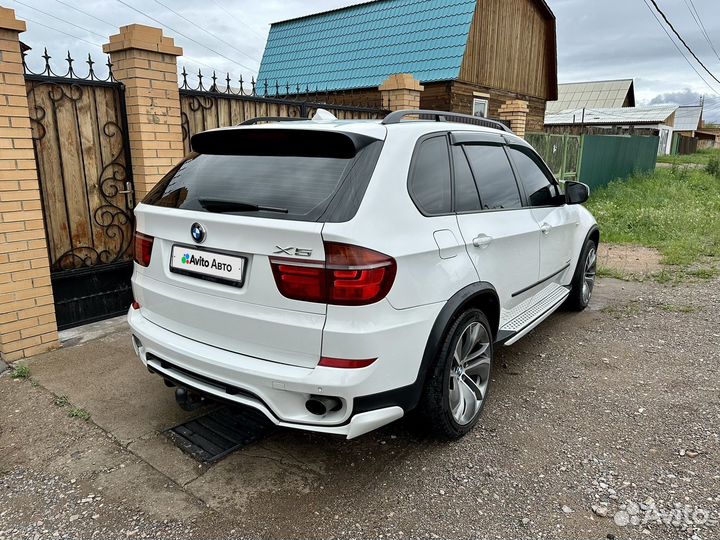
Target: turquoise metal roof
360	46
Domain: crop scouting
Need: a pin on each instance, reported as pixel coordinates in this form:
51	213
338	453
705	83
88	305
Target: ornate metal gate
220	105
82	154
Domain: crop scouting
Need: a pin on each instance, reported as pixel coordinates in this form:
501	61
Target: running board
527	315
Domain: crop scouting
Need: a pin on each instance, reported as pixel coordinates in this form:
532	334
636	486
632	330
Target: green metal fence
560	152
607	157
595	159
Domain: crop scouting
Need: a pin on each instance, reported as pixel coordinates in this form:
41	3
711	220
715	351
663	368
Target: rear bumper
279	390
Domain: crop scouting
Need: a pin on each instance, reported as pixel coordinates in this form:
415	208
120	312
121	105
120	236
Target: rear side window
466	193
430	185
540	190
494	177
275	184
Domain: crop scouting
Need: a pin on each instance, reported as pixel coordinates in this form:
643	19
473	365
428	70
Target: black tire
578	299
435	406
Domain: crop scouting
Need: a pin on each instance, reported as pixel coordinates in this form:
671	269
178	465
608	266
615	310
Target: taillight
349	276
357	276
143	248
135	305
345	364
300	281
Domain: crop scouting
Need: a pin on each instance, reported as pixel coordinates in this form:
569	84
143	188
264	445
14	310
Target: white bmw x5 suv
336	275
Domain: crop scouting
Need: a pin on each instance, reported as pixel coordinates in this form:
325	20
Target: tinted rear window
306	187
430	177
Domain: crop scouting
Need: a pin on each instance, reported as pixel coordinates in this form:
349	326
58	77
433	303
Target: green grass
701	157
21	371
605	271
62	401
676	211
672	308
77	412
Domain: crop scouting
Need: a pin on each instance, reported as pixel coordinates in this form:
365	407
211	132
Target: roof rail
442	116
269	119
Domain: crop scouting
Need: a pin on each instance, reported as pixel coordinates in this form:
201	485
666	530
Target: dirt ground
626	260
599	424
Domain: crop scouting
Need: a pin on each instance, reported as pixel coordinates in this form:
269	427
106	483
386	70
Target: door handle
482	241
545	228
129	194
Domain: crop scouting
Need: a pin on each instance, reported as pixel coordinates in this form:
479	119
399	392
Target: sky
597	39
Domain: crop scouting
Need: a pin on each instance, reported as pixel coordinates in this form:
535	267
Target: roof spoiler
277	142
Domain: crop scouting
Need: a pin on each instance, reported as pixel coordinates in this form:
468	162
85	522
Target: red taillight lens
135	305
357	276
300	281
349	276
345	364
143	248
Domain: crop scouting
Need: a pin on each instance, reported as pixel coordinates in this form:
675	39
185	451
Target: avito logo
205	263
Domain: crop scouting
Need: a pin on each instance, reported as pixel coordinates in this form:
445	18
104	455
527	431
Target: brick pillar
146	63
400	92
27	309
515	111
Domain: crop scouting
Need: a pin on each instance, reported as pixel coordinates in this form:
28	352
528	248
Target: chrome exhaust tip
321	405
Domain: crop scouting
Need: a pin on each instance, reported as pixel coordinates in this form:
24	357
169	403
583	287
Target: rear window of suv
282	174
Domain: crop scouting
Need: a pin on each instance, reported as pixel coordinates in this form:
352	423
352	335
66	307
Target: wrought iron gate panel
82	155
220	105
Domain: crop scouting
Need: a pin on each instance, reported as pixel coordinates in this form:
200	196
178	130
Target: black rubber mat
219	432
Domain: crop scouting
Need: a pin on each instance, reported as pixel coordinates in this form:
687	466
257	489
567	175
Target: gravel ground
604	424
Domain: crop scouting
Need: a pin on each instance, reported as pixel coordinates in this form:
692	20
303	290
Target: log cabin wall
462	95
511	47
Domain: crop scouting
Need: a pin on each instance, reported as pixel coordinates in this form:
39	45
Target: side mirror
576	192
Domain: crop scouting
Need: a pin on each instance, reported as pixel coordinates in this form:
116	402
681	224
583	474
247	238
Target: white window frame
480	107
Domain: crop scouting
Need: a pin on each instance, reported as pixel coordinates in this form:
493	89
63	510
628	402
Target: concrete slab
88	332
38	434
105	377
160	452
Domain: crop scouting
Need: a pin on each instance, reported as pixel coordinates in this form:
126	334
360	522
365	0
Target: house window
480	107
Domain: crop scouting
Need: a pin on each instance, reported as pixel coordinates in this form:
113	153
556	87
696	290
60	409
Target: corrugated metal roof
688	118
595	94
612	116
362	45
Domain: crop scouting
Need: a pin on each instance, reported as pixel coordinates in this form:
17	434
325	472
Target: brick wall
400	92
27	312
146	62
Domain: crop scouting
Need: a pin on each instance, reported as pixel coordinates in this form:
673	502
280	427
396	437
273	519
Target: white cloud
608	39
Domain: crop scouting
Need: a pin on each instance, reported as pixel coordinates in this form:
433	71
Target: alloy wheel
589	275
469	373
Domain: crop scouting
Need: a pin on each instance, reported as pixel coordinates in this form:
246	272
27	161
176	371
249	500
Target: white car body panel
212	336
511	236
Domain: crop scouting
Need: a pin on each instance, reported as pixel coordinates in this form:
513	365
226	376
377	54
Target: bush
713	167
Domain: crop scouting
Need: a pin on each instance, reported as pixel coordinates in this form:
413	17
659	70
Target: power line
698	21
62	32
186	57
654	3
85	13
183	35
678	48
59	19
246	25
203	29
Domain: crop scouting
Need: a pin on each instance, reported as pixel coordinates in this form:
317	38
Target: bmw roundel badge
198	233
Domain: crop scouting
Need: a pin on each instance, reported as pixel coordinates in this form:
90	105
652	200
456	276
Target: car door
557	221
500	235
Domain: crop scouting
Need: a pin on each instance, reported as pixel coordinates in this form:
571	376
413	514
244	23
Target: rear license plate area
218	266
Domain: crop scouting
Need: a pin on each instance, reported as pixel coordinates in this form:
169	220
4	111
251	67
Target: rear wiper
219	206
